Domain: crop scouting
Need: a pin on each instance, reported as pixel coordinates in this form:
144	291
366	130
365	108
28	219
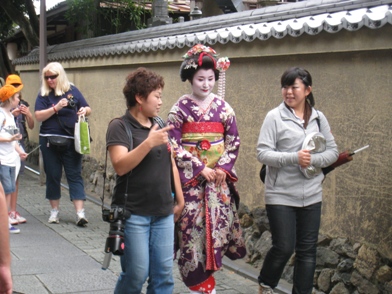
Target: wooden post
42	63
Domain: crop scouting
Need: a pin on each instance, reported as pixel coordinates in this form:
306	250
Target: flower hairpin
223	64
197	49
190	63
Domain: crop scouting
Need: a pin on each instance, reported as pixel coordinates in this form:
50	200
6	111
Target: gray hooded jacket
281	137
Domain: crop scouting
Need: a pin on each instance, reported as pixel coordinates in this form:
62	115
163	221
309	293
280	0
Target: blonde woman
57	106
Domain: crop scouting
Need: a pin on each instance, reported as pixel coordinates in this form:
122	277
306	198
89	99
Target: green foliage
7	25
135	14
81	14
95	18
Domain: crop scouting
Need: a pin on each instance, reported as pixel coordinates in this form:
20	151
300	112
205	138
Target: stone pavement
64	258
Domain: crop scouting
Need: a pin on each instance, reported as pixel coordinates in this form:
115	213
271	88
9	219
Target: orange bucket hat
8	91
13	80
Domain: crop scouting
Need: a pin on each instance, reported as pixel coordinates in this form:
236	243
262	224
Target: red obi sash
202	127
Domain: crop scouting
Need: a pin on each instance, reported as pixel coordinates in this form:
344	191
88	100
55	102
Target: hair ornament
197	49
194	59
222	65
198	52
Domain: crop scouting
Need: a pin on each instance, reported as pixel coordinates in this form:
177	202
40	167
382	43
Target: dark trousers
55	158
293	229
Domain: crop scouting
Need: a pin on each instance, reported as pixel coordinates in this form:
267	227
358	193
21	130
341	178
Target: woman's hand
180	202
220	176
158	136
61	104
177	210
16	111
23	155
84	111
16	137
23	109
304	158
209	174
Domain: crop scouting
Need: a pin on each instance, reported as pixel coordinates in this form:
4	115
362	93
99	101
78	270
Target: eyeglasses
51	77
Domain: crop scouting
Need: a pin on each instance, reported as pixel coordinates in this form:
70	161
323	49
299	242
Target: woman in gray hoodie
293	200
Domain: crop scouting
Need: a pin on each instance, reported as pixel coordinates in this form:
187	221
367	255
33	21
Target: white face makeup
203	83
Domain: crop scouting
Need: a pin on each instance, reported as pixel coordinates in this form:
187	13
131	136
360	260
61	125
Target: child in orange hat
10	151
22	116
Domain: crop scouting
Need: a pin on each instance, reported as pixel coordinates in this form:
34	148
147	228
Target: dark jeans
55	158
292	228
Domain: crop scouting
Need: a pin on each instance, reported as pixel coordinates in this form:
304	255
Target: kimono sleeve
232	143
189	166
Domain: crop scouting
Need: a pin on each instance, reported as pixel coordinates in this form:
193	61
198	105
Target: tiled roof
296	19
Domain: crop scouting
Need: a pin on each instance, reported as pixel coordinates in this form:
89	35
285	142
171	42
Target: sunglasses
51	77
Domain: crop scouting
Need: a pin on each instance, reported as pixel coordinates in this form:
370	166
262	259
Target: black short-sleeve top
149	183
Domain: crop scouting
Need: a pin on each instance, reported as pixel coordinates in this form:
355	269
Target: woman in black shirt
144	176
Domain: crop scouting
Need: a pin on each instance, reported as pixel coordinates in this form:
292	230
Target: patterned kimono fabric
209	227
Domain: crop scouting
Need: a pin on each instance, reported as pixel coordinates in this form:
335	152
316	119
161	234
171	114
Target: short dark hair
290	75
187	71
141	82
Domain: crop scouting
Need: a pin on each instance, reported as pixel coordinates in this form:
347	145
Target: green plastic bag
82	136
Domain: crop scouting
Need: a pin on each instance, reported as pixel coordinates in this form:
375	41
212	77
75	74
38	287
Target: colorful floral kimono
209	227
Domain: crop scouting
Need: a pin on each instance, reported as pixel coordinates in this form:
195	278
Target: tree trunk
6	67
17	16
33	18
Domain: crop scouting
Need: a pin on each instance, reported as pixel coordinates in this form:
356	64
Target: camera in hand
71	103
12	130
23	102
116	217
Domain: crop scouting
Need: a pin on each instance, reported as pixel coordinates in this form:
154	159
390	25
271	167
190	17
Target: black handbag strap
129	133
61	123
159	121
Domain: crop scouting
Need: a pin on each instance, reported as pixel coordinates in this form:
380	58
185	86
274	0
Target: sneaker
13	230
12	220
81	221
15	215
264	289
54	216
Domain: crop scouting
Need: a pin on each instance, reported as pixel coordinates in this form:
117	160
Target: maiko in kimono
205	143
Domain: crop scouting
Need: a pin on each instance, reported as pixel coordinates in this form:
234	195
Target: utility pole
42	36
43	59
